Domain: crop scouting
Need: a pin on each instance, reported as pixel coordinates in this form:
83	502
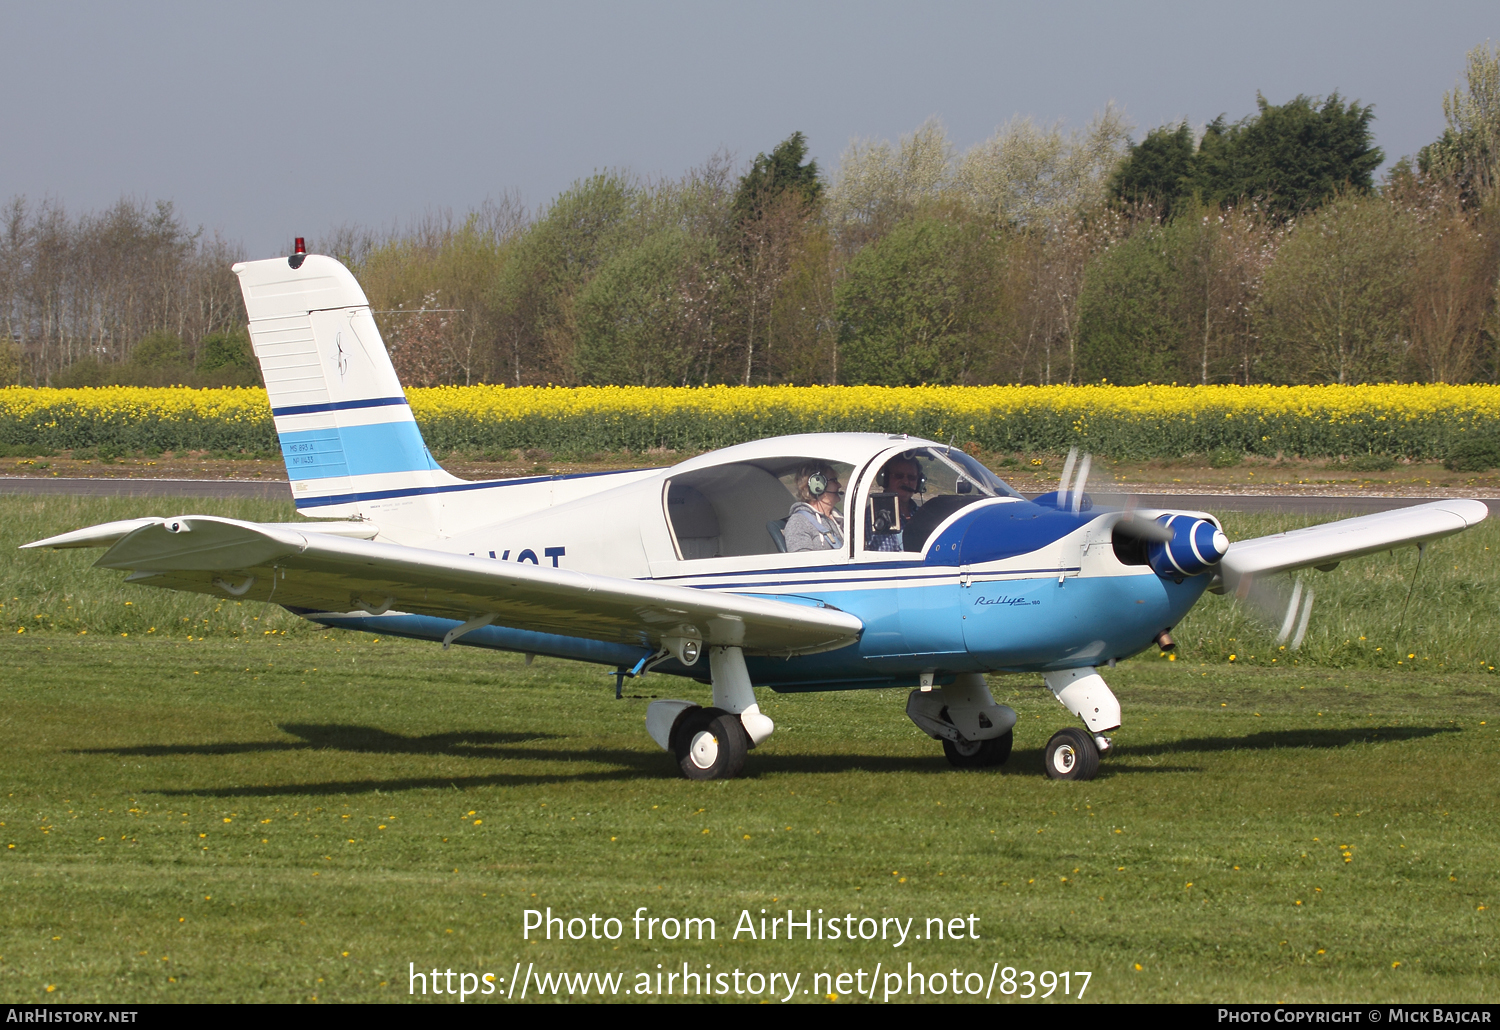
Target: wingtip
104	535
1470	510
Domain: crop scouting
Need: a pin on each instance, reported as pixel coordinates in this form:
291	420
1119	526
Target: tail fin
351	445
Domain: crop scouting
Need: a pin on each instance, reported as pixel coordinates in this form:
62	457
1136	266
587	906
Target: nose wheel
1072	755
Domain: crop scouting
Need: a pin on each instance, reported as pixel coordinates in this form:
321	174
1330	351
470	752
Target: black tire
710	744
1071	755
979	754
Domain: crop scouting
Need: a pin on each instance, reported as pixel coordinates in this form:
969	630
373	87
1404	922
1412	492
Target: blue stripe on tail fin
355	451
345	427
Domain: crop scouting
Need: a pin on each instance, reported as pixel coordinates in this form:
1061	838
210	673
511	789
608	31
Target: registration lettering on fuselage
528	555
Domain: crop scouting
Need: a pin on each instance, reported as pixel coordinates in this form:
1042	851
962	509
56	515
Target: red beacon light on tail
299	253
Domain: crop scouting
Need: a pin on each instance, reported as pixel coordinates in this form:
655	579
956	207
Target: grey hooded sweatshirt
808	529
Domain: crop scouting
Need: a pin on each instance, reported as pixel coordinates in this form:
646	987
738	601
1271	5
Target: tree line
130	294
1256	251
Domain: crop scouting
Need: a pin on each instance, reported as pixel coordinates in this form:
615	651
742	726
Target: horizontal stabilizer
320	572
107	534
1334	542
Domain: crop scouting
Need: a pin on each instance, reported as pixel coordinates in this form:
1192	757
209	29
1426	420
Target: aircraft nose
1196	545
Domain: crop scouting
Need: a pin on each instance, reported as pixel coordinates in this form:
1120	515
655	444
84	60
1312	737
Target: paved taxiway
276	490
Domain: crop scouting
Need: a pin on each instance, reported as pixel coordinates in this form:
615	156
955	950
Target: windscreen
916	490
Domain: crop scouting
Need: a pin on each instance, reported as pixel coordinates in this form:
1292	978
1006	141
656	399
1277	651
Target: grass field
266	811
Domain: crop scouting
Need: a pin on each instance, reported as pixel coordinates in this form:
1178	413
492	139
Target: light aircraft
684	570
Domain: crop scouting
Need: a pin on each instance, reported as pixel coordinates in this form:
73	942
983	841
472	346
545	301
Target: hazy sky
268	120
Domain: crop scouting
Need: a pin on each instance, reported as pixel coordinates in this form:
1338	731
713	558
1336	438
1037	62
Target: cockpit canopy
739	507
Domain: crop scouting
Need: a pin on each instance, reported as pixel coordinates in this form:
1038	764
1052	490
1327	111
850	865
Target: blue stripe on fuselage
422	491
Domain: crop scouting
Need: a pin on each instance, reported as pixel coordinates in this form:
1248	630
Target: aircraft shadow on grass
359	739
629	764
1274	740
639	764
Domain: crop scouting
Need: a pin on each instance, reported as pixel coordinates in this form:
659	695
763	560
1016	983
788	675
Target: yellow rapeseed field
1401	420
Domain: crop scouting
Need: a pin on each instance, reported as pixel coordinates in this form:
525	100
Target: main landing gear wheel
710	744
1072	755
978	754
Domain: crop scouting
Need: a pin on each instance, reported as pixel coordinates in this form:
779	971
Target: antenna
1401	623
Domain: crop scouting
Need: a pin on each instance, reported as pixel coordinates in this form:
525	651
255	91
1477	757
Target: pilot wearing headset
813	525
903	477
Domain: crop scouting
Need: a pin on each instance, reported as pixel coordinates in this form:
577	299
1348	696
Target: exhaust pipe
1164	641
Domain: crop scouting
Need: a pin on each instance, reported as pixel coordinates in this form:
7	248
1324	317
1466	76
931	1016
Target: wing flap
329	573
1350	538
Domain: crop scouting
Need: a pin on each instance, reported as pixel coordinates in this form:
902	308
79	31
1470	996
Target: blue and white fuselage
1003	584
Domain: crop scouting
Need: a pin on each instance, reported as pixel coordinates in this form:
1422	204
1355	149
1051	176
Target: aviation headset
921	475
817	484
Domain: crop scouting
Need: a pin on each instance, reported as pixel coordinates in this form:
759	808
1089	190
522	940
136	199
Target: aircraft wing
1333	542
301	567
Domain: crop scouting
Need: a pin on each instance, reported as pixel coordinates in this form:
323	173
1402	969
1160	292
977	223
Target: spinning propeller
1263	572
1279	602
1070	496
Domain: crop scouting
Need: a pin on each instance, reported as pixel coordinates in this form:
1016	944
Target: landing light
684	645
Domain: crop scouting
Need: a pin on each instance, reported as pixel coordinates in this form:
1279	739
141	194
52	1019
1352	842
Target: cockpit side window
740	508
694	522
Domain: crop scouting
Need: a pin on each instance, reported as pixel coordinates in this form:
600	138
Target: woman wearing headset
813	525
